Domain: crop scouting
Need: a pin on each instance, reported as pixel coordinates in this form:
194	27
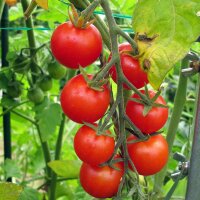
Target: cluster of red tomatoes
74	47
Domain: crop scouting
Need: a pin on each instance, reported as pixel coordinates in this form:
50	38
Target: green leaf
65	189
146	110
174	25
15	12
66	168
57	12
12	55
11	169
10	191
29	194
124	6
48	119
3	81
8	102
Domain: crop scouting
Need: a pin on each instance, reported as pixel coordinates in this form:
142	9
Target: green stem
12	107
57	157
104	71
120	93
31	40
83	4
128	39
193	191
30	9
25	117
46	152
179	102
136	91
90	9
2	3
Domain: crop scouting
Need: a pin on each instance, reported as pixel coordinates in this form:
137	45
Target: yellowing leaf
42	3
174	25
10	191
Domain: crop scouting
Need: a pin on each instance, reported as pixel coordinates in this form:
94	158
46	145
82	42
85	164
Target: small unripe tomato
14	89
36	95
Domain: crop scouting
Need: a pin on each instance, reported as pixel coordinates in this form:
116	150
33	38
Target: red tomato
92	148
101	182
74	47
81	103
131	68
150	156
153	121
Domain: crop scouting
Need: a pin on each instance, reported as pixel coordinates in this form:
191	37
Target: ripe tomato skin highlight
74	47
81	103
92	148
154	120
101	182
130	67
150	156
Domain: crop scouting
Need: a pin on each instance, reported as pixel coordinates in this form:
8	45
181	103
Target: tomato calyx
139	139
95	85
148	105
80	20
98	130
112	162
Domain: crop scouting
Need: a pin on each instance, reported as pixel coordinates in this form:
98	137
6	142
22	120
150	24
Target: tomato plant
155	118
149	156
101	182
102	146
157	43
130	67
71	48
82	103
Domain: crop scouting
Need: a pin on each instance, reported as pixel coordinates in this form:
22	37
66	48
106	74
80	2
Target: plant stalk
2	3
31	40
193	191
179	103
57	157
46	152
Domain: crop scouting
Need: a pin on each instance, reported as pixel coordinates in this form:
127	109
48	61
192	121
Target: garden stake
6	117
193	191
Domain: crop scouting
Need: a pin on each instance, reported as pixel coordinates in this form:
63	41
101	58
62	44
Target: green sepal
146	110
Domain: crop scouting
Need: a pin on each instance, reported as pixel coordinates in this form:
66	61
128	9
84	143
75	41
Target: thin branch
104	71
25	117
128	39
12	107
